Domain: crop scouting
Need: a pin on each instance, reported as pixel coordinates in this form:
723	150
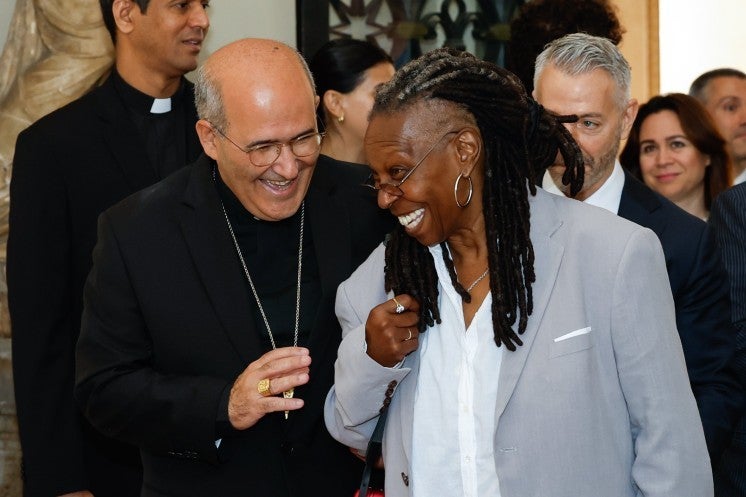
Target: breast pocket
572	342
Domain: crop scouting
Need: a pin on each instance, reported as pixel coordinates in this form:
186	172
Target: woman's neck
694	203
337	147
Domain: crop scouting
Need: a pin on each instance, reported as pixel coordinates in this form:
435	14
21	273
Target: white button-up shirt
454	406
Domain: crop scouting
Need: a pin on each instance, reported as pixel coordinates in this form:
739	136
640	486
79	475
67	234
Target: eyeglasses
265	154
395	189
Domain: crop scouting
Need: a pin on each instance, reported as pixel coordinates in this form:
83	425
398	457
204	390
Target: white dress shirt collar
607	196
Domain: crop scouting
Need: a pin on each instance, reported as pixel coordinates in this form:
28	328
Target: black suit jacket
728	220
68	168
700	291
168	327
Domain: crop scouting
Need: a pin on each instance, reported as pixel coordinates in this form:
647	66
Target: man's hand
285	368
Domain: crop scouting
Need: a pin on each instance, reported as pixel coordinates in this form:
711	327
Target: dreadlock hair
520	140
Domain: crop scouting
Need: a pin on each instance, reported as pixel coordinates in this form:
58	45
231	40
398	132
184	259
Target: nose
385	200
199	18
573	130
287	164
663	157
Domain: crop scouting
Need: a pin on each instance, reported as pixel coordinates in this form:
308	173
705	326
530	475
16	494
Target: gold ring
410	334
399	308
263	388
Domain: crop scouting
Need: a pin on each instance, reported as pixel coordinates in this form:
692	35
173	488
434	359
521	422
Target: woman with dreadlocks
520	343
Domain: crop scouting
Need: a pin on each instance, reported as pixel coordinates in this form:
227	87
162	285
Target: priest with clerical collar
71	165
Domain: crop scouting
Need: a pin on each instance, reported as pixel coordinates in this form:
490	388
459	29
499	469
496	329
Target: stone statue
56	51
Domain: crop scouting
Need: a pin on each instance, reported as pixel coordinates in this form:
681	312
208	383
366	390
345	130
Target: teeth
278	184
412	219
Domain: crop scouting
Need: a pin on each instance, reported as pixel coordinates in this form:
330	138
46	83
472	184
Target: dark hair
108	14
541	21
697	90
698	127
340	65
520	139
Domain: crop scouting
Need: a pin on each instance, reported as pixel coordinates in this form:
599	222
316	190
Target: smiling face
395	143
669	162
593	97
726	102
168	36
273	104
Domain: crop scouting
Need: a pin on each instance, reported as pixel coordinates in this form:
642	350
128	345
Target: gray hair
581	53
209	100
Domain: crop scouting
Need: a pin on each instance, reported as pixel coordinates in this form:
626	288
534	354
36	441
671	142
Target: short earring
455	190
341	119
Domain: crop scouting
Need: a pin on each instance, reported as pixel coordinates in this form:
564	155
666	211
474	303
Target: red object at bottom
371	493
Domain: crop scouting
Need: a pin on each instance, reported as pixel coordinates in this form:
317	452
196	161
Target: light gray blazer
608	413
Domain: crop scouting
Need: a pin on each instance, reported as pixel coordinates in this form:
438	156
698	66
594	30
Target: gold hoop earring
455	190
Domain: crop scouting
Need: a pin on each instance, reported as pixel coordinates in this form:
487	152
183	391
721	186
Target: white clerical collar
607	196
160	106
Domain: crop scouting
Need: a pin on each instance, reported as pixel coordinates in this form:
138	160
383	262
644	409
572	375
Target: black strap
375	445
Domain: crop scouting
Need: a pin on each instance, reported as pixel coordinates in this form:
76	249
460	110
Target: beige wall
640	44
690	40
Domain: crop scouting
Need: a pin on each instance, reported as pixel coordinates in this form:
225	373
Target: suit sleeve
40	297
728	220
118	388
360	383
670	450
709	341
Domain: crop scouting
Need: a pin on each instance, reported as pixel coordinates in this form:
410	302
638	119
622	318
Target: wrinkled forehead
421	120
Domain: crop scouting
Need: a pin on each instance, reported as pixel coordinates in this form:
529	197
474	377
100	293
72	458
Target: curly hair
541	21
520	140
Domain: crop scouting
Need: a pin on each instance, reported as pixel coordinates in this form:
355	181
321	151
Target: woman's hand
391	330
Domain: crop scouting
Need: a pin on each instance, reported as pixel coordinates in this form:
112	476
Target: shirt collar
740	178
143	103
608	196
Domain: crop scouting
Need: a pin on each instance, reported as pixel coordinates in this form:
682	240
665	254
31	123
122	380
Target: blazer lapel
215	261
548	256
639	203
331	228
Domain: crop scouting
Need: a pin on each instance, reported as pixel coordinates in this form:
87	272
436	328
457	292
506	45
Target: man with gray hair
723	93
208	336
587	77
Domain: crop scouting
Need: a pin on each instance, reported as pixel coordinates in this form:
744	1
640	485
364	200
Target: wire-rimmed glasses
394	189
266	154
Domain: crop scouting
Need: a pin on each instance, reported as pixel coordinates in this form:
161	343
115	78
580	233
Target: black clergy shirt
163	134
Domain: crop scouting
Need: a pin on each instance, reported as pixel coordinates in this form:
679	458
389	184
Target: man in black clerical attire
208	336
71	165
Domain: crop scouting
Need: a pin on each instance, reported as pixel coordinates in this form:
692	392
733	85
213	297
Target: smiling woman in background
675	148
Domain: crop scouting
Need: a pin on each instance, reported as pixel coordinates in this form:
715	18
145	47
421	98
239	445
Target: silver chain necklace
484	274
288	394
251	282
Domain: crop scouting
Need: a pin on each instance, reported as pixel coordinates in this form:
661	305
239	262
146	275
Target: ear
628	117
123	10
333	103
468	150
207	138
